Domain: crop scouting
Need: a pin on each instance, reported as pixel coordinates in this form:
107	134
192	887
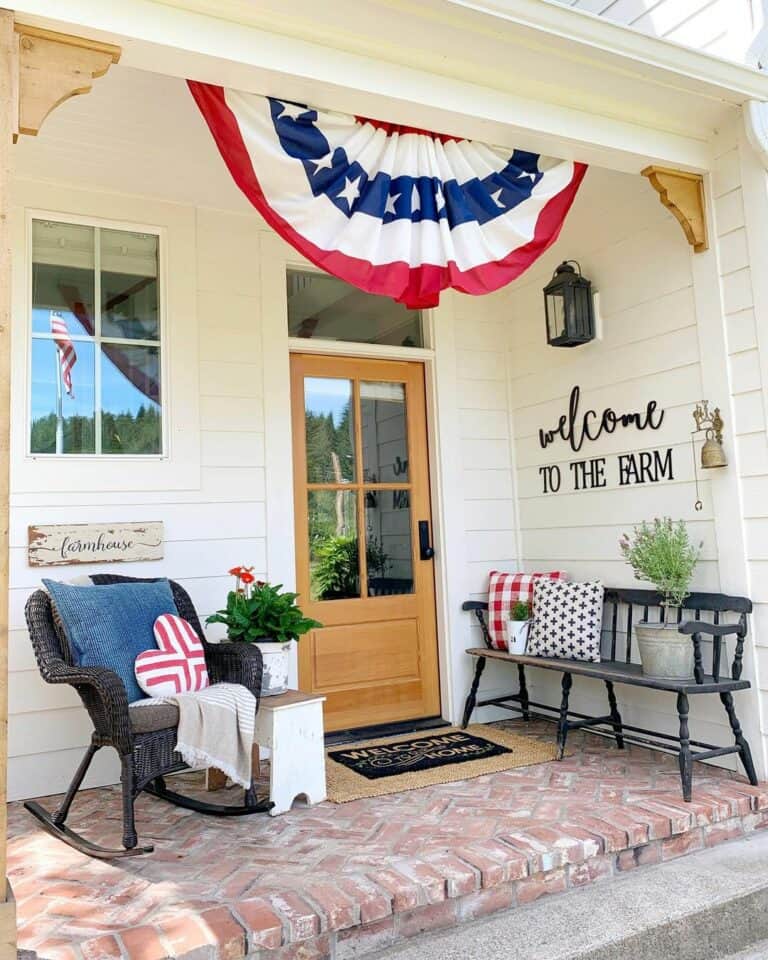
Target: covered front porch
342	880
675	325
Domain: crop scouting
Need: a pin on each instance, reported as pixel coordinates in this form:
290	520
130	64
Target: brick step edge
432	898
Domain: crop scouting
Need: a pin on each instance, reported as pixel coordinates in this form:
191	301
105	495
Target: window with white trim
95	365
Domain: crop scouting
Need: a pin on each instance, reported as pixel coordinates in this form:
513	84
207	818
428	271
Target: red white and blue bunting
395	211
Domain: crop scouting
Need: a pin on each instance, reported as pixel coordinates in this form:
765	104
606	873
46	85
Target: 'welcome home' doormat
395	764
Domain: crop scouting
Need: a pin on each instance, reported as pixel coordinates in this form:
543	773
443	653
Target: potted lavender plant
663	554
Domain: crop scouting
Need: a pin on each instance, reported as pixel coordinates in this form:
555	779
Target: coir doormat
395	764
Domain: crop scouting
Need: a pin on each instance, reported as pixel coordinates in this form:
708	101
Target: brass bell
712	453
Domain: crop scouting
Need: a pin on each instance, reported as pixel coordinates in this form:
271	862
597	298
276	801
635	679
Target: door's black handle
426	551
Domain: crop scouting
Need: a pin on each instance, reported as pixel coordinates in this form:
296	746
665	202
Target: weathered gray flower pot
665	653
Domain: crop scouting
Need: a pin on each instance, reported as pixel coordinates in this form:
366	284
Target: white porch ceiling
136	133
511	72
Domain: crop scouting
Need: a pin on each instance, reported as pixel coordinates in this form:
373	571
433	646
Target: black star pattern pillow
567	619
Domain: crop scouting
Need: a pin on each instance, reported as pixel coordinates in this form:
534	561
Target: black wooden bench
622	610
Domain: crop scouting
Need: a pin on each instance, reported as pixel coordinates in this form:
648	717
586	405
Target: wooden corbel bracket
52	67
683	195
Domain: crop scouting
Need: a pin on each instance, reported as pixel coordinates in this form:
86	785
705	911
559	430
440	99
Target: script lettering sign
575	427
59	544
591	473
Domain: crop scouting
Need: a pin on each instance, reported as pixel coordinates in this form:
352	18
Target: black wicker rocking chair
144	738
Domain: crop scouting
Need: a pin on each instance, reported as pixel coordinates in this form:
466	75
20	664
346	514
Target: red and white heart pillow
178	665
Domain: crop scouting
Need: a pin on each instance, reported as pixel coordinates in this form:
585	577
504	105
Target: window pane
324	308
131	421
62	423
385	440
334	564
129	296
330	431
62	276
388	551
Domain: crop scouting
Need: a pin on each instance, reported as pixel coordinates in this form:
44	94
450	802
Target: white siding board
733	251
741	332
750	413
729	209
230	449
482	544
181	521
231	379
753	454
489	515
486	454
745	370
484	424
737	291
481	365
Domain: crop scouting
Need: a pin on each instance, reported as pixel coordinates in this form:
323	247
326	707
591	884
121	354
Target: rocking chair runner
144	738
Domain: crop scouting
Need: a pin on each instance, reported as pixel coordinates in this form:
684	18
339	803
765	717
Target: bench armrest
103	694
480	609
712	629
695	628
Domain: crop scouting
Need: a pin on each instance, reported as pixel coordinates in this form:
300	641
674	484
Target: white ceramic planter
665	653
517	635
276	658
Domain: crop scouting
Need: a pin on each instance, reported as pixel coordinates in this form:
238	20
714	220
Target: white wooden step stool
291	726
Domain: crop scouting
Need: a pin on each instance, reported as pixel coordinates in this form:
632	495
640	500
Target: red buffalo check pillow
178	664
506	589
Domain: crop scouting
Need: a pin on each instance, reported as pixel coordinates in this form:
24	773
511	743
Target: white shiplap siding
218	522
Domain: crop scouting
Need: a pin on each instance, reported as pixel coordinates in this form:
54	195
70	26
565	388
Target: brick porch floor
337	881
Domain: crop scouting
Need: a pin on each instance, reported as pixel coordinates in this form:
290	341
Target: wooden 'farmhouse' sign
50	546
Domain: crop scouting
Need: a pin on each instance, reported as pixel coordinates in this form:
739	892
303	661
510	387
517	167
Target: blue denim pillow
110	625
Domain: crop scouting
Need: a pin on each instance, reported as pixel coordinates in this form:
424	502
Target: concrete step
758	951
705	906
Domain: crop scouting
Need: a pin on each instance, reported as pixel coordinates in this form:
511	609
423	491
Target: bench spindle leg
741	741
685	759
615	715
524	701
562	725
471	700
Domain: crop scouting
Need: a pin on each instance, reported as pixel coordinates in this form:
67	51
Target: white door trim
442	419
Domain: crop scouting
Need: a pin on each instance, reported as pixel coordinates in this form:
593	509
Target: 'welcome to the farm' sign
589	473
53	545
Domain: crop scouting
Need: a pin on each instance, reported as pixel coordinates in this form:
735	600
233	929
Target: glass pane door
362	507
358	491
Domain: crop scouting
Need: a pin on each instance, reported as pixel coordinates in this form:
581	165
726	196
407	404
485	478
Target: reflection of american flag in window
67	355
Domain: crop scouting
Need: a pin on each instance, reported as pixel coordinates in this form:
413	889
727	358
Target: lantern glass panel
555	315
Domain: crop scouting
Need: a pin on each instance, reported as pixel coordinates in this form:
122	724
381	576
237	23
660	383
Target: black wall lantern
569	307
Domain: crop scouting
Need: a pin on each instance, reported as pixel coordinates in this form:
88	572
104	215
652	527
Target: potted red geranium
262	613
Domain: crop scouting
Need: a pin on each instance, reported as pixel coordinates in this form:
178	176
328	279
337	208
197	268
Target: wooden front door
363	533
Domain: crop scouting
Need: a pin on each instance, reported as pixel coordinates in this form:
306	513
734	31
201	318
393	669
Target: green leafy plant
662	553
257	610
520	611
336	570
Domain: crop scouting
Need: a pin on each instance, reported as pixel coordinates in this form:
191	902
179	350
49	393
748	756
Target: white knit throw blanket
216	728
